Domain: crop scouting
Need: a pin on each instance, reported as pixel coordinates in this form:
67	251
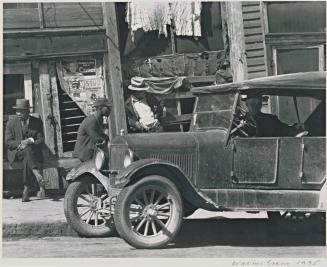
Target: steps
71	116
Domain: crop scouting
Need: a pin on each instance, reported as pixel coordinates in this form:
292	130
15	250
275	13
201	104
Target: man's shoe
25	195
41	193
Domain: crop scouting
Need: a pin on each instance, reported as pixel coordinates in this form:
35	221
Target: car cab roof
304	82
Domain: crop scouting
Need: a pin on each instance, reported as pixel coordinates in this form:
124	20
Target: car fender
87	167
164	168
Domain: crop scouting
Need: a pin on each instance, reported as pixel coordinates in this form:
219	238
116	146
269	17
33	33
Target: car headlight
99	159
128	158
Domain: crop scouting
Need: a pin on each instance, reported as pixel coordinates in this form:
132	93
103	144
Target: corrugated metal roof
295	81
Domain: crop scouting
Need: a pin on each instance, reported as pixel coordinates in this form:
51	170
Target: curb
37	229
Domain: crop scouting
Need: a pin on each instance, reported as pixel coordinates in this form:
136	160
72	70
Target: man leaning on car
92	132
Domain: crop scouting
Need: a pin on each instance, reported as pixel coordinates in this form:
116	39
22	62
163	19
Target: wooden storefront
244	40
56	55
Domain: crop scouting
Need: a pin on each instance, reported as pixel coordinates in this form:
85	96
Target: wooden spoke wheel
149	213
86	207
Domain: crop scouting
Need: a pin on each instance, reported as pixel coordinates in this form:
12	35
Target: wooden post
46	106
113	70
55	109
232	15
50	174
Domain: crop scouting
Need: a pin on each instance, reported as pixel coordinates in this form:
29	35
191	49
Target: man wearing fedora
91	131
266	125
24	139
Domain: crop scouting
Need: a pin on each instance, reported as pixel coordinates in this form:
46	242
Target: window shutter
254	40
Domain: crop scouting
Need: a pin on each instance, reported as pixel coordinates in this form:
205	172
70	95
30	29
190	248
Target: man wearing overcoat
92	132
24	139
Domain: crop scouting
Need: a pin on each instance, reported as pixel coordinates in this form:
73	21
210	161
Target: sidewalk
39	217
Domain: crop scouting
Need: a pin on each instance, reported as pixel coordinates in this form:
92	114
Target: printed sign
82	80
86	67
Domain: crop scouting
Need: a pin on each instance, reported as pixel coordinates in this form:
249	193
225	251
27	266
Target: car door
255	161
279	162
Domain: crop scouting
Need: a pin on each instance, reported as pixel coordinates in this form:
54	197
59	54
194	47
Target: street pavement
45	217
38	229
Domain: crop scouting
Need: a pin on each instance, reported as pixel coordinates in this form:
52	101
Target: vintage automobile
146	183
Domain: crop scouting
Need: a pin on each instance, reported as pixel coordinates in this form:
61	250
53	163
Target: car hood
180	149
156	142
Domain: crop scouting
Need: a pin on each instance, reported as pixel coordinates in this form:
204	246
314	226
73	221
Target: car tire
296	216
297	221
88	219
149	213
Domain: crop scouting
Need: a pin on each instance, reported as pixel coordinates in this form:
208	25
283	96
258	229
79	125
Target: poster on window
82	80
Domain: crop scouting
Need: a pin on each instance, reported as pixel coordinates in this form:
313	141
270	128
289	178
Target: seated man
24	139
266	125
91	131
143	112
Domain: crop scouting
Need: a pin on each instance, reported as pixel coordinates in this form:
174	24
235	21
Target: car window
215	102
287	115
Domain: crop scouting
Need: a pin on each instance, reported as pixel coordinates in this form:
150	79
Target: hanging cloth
149	16
187	18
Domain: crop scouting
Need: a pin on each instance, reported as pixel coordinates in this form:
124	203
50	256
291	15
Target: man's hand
100	142
25	143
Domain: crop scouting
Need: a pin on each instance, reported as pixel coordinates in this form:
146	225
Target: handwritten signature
276	263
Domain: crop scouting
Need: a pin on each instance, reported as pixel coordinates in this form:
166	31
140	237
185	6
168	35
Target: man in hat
91	131
266	125
24	139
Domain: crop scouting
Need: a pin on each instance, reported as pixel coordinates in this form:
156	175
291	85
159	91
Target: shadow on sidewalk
247	232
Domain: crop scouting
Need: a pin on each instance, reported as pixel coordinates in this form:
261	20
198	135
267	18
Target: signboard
82	80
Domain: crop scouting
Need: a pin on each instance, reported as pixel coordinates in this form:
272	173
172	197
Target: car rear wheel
149	213
86	207
298	221
296	216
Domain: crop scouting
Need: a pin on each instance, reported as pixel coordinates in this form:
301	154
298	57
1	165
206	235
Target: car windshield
214	111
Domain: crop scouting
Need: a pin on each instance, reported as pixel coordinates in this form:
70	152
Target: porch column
233	26
113	70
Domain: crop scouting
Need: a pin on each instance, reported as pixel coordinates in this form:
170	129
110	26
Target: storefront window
13	88
297	60
295	17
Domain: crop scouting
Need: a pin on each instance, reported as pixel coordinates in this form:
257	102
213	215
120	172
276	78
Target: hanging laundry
187	18
148	16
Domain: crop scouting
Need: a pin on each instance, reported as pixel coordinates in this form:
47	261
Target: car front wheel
149	213
86	207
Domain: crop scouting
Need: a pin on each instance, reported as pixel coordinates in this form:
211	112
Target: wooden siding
46	46
254	40
72	14
23	18
54	15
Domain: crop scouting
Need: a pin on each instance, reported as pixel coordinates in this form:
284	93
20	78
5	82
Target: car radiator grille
186	162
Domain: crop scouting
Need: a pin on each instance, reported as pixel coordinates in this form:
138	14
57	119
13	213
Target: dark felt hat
22	104
102	101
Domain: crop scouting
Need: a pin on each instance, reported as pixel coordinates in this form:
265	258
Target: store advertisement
82	80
